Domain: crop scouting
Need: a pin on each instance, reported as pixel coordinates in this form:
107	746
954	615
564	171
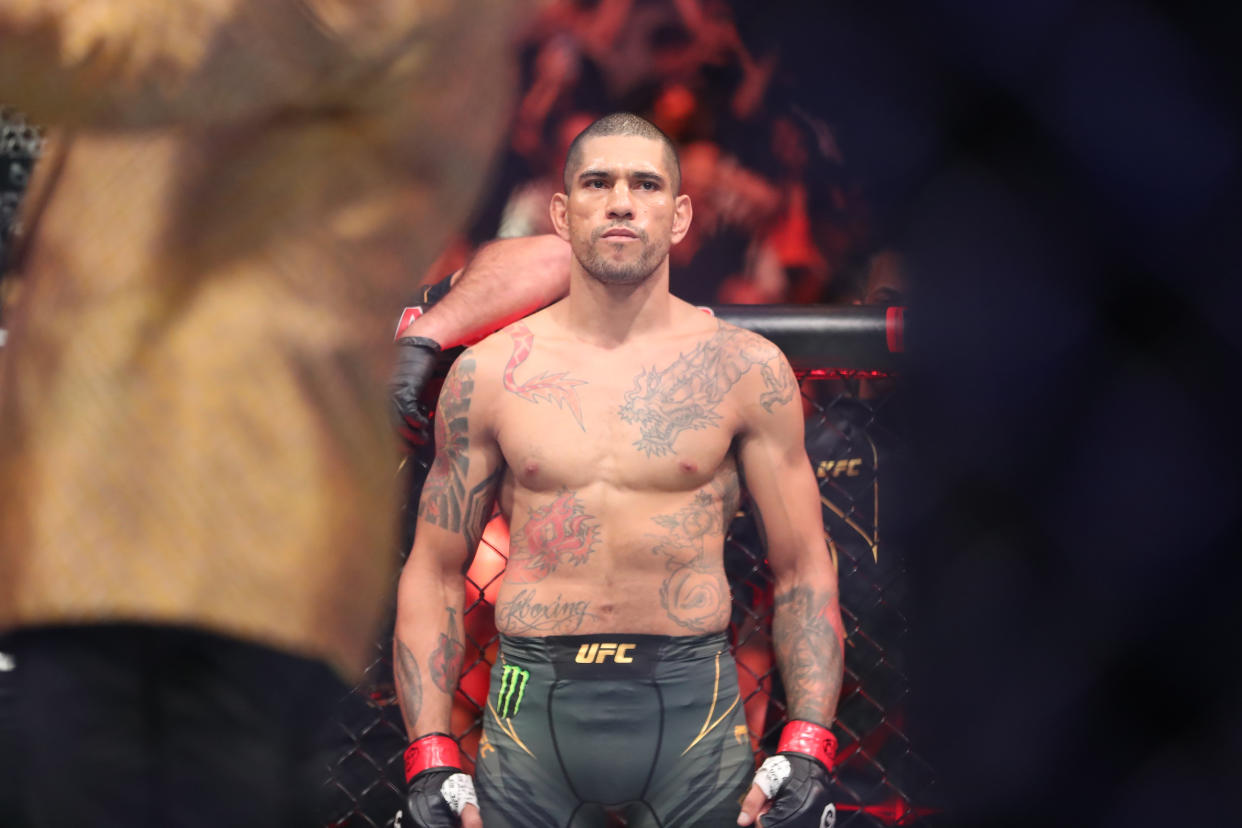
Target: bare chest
640	427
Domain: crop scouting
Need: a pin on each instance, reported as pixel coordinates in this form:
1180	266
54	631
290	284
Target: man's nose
619	203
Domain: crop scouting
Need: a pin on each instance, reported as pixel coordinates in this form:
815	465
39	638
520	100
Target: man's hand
791	789
442	799
415	363
441	794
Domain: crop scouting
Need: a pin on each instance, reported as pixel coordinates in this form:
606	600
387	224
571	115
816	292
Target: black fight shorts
647	727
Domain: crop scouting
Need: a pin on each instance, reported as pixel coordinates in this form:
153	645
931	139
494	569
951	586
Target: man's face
620	214
886	279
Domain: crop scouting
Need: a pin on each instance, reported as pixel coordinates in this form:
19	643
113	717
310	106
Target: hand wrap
796	781
416	362
439	790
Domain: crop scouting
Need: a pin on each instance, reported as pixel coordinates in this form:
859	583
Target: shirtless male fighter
614	428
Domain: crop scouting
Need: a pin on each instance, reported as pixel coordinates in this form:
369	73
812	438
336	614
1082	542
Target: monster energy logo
512	686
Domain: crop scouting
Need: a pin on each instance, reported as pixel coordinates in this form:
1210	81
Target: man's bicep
786	500
458	501
776	470
460	487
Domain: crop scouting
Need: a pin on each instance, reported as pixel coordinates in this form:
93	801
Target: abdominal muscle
650	565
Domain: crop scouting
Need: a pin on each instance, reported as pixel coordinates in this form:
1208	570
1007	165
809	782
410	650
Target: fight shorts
648	727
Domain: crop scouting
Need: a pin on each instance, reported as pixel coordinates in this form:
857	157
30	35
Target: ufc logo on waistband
599	653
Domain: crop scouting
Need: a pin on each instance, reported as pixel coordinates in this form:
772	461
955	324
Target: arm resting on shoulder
504	281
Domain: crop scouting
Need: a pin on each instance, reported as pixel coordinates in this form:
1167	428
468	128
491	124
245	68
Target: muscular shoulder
765	381
493	353
471	377
488	359
754	347
487	351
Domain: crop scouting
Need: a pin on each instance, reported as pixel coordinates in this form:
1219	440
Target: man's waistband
610	655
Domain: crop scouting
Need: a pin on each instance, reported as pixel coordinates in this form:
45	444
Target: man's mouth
620	233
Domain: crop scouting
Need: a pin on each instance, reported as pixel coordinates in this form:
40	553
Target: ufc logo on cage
599	653
836	468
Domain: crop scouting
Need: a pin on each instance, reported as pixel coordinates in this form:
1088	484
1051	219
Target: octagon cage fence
848	361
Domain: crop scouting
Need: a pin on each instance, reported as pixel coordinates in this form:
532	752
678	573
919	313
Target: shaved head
622	123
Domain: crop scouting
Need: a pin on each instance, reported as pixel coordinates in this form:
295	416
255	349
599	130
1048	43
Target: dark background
1061	177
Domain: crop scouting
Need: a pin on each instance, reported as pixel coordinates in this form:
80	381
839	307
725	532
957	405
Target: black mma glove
415	364
439	789
795	779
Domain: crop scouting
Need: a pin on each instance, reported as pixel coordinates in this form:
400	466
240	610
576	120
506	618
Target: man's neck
610	315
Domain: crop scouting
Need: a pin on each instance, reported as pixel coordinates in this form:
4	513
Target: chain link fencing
854	441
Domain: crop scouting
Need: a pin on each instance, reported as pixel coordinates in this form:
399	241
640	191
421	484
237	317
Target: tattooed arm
456	503
806	626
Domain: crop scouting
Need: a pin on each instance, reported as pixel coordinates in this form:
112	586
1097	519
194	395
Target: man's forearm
427	657
807	637
504	281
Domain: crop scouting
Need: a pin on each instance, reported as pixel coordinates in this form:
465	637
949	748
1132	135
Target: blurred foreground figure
197	504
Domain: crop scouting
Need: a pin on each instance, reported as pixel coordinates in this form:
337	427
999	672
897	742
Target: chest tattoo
547	387
687	395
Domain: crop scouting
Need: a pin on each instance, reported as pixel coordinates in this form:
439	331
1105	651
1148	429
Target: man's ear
558	210
683	212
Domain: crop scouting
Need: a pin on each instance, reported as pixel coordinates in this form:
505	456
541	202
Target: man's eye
596	184
648	185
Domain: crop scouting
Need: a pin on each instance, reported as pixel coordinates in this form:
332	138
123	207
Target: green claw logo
512	686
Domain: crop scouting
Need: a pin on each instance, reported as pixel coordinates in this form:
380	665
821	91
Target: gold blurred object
234	199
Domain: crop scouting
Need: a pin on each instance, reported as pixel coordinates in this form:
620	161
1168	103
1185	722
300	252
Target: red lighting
894	812
843	373
895	329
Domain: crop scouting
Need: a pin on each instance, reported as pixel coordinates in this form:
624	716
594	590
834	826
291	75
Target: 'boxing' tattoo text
695	594
686	396
557	388
556	533
523	615
808	651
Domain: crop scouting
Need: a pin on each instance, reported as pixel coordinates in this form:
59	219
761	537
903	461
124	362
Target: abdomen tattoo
695	593
558	533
